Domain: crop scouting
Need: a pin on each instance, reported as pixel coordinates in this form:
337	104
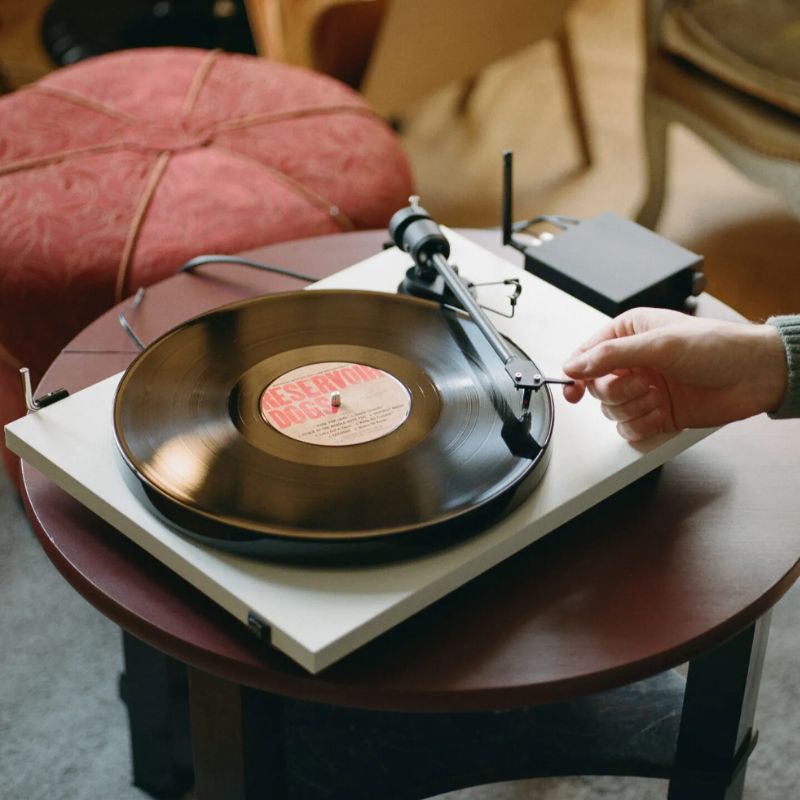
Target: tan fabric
753	45
753	123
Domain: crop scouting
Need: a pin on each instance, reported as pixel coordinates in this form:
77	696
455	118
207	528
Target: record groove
191	419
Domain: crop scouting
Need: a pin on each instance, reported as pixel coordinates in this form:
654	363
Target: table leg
239	736
716	734
237	740
154	689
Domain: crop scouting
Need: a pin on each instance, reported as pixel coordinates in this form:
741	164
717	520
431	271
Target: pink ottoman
116	170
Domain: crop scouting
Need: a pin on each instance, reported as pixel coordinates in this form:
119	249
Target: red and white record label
335	403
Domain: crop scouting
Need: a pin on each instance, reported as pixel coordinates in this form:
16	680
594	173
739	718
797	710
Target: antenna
508	191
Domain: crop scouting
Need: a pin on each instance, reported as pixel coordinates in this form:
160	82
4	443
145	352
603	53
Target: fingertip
574	392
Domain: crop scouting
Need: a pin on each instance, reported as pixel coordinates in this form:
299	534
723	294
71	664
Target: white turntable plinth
317	615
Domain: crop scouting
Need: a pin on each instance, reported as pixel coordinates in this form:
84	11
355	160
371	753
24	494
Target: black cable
199	261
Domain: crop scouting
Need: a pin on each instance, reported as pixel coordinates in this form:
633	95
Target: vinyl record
320	418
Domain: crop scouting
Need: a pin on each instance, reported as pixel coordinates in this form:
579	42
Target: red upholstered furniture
116	170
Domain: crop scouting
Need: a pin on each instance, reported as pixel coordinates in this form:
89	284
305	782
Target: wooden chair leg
654	125
266	25
466	92
567	63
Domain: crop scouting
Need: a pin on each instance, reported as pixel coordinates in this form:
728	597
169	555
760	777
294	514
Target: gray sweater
789	329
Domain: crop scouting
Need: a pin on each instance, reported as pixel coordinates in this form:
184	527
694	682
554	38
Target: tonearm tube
414	231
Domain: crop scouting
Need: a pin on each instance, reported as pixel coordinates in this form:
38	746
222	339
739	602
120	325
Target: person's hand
656	371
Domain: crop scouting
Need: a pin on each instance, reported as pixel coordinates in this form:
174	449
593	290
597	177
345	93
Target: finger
629	323
637	430
633	409
616	390
574	392
648	350
597	387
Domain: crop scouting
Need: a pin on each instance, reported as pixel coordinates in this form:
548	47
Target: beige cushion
753	45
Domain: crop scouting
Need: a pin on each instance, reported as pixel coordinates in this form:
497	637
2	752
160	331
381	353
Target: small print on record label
335	403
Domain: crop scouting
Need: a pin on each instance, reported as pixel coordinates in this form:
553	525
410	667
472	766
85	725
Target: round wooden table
682	566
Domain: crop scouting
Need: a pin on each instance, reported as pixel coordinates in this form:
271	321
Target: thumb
638	350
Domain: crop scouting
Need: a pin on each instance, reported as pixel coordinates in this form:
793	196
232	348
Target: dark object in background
614	264
73	30
608	262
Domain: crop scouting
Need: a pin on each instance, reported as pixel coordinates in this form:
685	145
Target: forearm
789	329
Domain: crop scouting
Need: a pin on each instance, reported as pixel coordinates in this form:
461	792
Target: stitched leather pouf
116	170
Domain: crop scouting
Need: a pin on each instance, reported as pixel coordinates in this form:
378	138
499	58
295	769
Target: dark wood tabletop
659	573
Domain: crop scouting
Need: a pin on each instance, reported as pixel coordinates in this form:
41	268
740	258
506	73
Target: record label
335	403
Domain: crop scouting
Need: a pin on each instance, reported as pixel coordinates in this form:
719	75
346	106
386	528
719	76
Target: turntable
335	424
325	463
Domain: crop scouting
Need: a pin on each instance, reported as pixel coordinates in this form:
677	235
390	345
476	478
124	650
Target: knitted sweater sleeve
789	330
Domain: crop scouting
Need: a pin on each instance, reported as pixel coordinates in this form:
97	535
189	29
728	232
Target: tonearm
414	231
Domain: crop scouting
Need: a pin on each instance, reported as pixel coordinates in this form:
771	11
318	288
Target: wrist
774	378
788	330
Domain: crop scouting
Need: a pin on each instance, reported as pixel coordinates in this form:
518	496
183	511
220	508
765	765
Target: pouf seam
338	216
81	100
145	199
199	80
57	158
